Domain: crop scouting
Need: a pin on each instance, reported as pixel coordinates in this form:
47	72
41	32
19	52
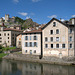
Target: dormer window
54	24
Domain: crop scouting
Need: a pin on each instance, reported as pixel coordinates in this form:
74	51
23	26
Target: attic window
54	24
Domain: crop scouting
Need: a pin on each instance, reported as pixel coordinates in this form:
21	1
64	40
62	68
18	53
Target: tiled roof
34	31
10	29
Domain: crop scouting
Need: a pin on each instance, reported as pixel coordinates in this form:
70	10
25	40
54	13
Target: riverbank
32	58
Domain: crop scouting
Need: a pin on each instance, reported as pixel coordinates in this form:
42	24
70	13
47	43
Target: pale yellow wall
63	35
5	38
19	39
38	49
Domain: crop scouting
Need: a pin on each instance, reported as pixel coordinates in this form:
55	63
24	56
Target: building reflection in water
24	68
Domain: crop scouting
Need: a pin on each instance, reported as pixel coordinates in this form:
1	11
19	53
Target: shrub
0	47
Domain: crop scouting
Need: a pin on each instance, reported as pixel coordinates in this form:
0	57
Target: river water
11	67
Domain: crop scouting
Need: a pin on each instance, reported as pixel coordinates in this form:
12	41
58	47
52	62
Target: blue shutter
36	44
24	44
32	44
36	38
33	37
28	44
24	37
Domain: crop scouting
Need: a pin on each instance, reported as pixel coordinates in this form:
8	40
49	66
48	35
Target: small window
0	38
35	37
51	31
25	51
8	34
57	31
8	37
34	51
4	34
70	45
35	44
30	37
8	41
70	38
57	45
0	34
19	42
26	37
30	44
46	45
54	24
0	41
26	44
70	31
57	38
51	39
51	45
63	45
46	39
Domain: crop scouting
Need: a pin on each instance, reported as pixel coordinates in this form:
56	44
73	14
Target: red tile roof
33	31
10	29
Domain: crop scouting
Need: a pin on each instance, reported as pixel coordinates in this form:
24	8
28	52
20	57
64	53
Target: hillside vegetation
26	23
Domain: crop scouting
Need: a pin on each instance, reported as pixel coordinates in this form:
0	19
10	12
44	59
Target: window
51	38
0	38
46	45
8	37
57	45
4	34
70	38
25	51
35	37
57	38
63	45
19	43
46	39
8	34
70	31
26	44
51	31
54	24
57	31
12	34
30	44
8	41
0	34
26	37
30	37
34	51
35	44
70	45
51	45
0	41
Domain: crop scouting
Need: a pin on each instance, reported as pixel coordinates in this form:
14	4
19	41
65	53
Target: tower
6	17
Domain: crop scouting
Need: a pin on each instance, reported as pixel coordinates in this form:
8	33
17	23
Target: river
11	67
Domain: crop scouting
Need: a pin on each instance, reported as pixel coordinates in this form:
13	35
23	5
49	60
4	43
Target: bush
0	47
1	50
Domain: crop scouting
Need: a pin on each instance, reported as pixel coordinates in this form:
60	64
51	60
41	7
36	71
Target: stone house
31	42
59	39
8	36
56	39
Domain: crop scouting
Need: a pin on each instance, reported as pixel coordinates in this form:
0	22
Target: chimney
73	21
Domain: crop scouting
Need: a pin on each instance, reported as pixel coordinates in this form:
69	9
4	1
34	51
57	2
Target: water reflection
24	68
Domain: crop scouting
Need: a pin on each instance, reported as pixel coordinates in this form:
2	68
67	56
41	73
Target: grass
2	55
8	48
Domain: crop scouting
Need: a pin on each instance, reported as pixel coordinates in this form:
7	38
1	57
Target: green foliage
19	20
2	55
8	48
0	47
